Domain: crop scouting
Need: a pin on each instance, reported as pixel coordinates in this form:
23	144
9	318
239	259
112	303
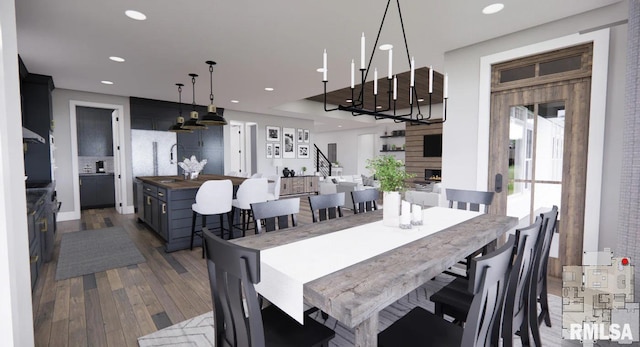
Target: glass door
536	140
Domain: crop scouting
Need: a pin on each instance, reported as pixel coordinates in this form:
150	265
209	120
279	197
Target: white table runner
285	269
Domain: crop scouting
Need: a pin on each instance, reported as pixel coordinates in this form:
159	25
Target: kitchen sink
169	180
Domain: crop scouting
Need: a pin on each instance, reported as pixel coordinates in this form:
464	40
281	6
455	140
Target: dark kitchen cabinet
147	114
95	134
37	116
97	190
40	228
204	144
155	212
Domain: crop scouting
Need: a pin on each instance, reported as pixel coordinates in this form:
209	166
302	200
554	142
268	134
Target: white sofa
428	197
346	184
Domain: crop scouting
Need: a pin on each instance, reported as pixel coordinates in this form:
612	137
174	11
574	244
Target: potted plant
304	169
391	174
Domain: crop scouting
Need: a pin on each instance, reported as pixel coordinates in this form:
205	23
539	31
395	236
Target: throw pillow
335	181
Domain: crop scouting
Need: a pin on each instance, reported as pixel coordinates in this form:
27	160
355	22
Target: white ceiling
256	44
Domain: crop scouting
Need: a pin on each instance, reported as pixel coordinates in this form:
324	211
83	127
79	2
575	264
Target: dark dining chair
365	200
423	328
538	294
470	200
455	298
326	206
239	321
274	215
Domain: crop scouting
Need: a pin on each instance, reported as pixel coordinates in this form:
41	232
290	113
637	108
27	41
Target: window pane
561	65
517	73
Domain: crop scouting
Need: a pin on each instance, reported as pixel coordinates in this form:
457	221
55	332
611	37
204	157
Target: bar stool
250	191
213	198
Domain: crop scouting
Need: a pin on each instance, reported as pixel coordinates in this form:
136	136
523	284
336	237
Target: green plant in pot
391	174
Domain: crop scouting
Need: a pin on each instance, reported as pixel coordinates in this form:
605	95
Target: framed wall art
303	151
306	136
300	135
273	134
269	150
276	150
288	150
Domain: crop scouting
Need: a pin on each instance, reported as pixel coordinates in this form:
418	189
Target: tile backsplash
88	164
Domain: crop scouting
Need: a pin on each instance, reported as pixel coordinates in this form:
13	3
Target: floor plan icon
598	302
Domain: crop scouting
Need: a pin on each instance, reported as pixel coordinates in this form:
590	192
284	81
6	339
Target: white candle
416	213
362	52
324	66
395	87
375	81
430	79
390	63
413	72
445	93
405	217
352	74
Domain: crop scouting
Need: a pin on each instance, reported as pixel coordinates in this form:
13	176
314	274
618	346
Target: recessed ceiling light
117	59
106	82
235	101
135	15
493	8
269	89
386	47
339	126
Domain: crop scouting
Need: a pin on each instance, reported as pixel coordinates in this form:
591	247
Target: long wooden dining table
355	294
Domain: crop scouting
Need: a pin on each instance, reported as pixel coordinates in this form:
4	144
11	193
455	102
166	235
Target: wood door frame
599	74
574	174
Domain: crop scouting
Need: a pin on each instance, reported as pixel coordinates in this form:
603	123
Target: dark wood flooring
115	307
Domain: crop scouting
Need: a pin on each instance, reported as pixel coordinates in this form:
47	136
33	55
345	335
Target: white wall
347	144
62	133
16	328
460	139
264	164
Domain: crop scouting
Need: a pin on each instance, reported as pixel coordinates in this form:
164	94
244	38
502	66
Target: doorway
242	144
539	136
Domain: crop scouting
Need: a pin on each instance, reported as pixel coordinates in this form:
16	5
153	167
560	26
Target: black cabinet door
105	190
95	135
88	197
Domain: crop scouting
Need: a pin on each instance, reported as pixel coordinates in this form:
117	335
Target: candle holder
388	106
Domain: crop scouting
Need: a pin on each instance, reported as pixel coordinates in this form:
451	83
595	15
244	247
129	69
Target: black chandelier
356	104
177	128
212	117
193	123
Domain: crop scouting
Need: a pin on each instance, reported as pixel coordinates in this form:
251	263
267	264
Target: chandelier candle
389	106
362	52
324	66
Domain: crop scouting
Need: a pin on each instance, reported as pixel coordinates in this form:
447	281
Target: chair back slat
469	199
233	271
365	200
326	206
549	221
274	214
515	305
489	273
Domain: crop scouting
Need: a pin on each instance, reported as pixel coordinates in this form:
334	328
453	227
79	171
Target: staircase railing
323	165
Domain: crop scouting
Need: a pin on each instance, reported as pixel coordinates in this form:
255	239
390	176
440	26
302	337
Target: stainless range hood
30	136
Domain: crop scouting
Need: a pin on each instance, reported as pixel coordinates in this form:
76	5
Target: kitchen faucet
171	151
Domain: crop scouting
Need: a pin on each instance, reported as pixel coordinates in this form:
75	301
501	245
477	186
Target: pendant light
177	128
193	123
212	117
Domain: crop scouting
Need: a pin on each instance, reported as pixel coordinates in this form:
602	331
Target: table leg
366	333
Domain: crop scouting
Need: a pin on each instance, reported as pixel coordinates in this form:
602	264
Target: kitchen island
164	204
